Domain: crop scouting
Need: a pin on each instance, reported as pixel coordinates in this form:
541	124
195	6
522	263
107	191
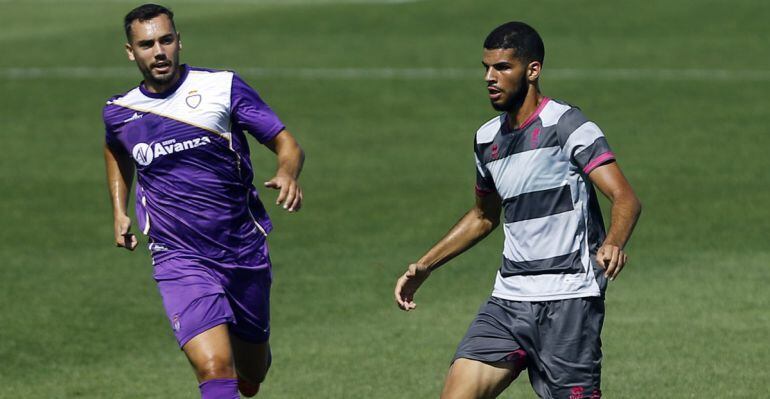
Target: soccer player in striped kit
537	164
182	131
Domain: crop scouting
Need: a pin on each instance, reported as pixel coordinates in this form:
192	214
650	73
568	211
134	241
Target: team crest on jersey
535	140
495	151
193	99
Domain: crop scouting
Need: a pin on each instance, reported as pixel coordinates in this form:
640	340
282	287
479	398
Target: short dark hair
522	38
146	12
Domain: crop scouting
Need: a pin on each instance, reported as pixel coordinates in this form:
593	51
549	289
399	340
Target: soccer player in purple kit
537	164
182	131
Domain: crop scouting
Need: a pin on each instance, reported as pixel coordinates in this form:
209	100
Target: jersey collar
506	127
170	90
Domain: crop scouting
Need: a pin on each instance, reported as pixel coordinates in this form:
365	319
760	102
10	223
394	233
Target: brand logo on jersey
144	153
157	247
134	117
175	324
193	99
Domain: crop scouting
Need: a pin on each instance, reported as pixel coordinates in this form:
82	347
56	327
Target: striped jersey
553	226
194	190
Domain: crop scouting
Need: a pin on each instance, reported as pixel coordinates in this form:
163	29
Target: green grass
389	169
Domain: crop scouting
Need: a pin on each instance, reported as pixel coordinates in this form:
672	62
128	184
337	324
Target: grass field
385	98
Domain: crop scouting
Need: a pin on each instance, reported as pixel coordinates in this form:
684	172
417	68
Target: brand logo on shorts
577	393
157	247
175	323
144	153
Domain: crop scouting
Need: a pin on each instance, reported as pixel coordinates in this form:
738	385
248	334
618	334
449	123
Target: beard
516	98
160	80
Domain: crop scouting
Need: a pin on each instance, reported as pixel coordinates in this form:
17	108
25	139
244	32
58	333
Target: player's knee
254	375
215	367
253	368
471	379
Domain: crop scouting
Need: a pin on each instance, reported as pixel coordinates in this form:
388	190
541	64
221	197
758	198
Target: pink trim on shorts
518	359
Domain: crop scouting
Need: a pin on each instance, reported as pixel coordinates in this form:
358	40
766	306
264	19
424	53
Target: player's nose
158	51
489	76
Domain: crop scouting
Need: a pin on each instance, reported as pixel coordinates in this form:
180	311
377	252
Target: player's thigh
193	297
570	354
252	360
247	291
472	379
210	353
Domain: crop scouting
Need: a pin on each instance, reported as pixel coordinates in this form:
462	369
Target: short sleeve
250	113
484	183
110	135
584	141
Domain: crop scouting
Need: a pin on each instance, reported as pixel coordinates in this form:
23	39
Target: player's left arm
291	157
625	212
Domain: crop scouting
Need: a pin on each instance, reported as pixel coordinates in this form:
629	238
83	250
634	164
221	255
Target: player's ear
130	52
533	70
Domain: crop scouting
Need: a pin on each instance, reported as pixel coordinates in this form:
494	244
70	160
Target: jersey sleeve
484	182
110	135
250	113
583	141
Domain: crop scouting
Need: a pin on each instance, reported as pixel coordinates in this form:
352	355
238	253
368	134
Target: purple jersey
194	190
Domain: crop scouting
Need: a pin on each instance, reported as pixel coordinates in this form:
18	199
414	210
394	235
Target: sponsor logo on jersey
144	153
193	99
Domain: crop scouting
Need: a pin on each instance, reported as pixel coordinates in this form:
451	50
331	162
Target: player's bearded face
506	79
512	97
155	48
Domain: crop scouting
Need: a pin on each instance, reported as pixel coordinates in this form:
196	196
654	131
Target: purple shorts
199	293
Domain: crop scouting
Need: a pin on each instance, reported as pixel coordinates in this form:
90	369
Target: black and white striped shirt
552	222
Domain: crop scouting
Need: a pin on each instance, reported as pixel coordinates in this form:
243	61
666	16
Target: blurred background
385	97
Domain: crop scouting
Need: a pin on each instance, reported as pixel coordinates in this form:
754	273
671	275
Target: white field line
621	74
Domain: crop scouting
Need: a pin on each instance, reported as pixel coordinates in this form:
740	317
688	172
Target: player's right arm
120	173
470	229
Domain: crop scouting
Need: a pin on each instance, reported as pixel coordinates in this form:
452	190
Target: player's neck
520	114
155	88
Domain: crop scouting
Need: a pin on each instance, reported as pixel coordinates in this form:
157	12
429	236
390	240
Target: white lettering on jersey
144	153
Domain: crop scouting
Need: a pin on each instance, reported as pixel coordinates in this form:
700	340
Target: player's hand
611	258
408	284
123	236
290	194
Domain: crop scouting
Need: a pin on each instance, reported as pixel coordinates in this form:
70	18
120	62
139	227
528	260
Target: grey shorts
558	342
